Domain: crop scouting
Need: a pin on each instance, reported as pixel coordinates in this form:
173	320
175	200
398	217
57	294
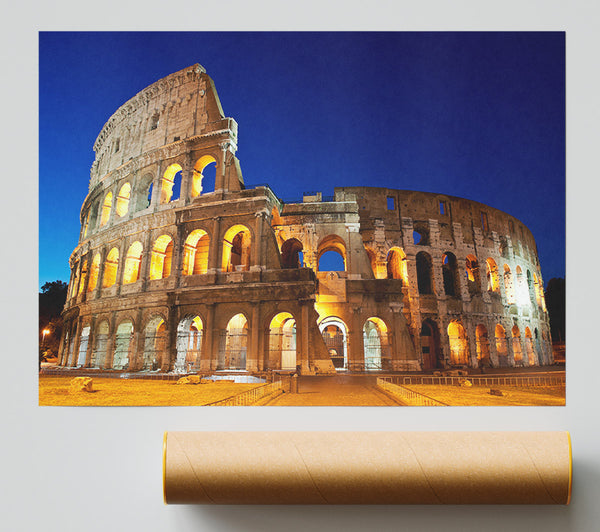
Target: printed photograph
302	218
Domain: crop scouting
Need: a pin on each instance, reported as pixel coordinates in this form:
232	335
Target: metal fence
407	396
251	396
519	381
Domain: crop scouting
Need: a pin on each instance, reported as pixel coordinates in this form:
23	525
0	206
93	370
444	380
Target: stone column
136	359
256	258
170	354
208	354
253	351
303	349
356	351
91	341
214	259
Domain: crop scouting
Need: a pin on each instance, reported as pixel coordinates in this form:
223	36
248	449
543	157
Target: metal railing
251	396
407	396
519	381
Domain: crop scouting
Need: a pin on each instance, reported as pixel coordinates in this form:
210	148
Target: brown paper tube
367	468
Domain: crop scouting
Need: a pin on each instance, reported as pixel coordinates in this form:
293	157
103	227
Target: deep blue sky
475	115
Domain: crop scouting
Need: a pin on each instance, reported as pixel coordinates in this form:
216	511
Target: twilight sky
475	115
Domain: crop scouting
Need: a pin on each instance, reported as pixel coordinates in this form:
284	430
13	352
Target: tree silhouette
51	303
555	303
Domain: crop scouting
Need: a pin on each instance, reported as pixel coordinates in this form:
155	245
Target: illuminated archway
199	180
396	265
483	344
189	344
430	344
331	254
123	340
236	249
83	345
501	346
291	253
376	347
131	272
94	273
106	208
155	336
282	341
170	184
100	345
233	344
473	278
531	358
516	344
509	287
123	197
459	347
111	265
160	261
491	269
195	253
335	335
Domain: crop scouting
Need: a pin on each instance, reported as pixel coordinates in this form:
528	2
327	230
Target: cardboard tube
367	467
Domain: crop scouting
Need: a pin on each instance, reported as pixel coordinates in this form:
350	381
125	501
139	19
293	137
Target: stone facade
173	274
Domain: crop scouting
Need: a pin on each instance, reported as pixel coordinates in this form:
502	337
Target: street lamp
44	333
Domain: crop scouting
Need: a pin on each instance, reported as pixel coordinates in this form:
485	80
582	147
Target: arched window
123	198
375	341
189	344
84	271
331	254
508	285
282	342
516	343
335	333
236	249
493	284
106	208
501	346
133	259
86	224
170	184
155	343
522	295
537	289
424	273
195	253
396	265
459	347
233	344
483	344
94	273
291	253
83	345
162	253
450	274
111	265
430	344
203	175
99	352
473	279
123	340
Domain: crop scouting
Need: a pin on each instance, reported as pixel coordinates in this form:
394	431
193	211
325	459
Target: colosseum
182	269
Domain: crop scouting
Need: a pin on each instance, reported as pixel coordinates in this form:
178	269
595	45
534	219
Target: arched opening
501	346
84	270
155	343
94	273
376	346
396	265
450	274
83	345
531	358
123	198
335	334
459	346
133	259
160	261
516	345
282	341
331	254
236	249
424	273
430	345
538	289
291	254
233	344
203	175
111	265
522	295
123	341
189	344
170	184
483	345
508	285
149	192
195	253
100	345
491	270
421	234
106	208
94	215
473	279
86	224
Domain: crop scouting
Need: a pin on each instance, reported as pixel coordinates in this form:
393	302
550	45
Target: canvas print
302	219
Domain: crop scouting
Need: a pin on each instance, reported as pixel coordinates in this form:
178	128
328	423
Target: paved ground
339	390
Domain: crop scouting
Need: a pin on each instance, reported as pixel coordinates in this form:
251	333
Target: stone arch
161	257
329	244
195	253
376	344
450	274
430	345
200	182
133	259
189	344
282	341
155	343
84	338
529	349
111	265
459	345
335	335
483	345
106	209
233	344
123	341
397	265
424	273
123	198
170	184
142	194
516	345
491	270
473	278
237	243
291	253
94	270
501	346
98	359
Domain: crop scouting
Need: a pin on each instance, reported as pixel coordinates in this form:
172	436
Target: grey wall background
99	469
